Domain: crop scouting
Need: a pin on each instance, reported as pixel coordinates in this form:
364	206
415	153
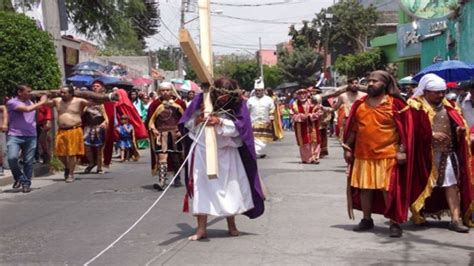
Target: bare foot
198	236
234	232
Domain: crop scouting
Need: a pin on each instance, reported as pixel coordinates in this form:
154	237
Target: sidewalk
39	170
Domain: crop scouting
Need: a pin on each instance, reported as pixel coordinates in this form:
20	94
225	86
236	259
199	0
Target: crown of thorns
231	92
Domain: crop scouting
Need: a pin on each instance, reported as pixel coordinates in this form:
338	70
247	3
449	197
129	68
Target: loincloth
69	142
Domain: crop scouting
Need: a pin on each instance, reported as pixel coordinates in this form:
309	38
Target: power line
258	20
287	2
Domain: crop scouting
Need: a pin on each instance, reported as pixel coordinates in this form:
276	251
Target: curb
39	170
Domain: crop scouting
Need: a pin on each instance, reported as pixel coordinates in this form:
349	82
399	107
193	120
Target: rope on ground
156	201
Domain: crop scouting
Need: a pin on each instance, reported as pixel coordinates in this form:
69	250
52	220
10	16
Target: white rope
156	201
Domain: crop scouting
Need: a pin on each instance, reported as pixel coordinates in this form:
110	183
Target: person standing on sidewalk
22	135
3	128
377	146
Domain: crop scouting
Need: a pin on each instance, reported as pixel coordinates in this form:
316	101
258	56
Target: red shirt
44	114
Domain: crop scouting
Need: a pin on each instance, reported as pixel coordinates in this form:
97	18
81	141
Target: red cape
302	132
125	107
430	199
399	197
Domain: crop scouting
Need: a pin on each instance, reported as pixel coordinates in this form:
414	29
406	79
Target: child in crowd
285	116
126	136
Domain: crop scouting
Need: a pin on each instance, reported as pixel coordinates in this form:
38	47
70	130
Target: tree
119	25
299	65
27	55
358	65
243	69
124	23
273	76
346	26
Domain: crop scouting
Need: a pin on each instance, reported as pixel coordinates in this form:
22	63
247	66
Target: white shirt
261	108
467	110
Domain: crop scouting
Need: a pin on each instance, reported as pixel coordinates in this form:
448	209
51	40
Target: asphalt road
305	222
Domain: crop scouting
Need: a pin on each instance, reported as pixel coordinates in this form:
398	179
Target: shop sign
428	9
410	35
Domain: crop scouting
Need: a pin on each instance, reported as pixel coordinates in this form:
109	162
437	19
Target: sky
233	35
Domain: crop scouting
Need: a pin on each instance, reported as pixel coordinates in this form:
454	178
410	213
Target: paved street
305	222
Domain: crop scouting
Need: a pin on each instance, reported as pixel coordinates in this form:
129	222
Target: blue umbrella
89	65
104	79
450	71
79	80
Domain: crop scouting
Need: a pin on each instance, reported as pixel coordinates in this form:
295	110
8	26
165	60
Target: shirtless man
69	138
346	100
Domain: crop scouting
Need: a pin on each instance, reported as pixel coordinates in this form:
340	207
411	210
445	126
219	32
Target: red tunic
306	129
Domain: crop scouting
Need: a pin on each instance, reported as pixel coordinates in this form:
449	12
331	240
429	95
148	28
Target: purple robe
246	151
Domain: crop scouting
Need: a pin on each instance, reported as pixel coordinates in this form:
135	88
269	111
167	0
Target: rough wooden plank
191	51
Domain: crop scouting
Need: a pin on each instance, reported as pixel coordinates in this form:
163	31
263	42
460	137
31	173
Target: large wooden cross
204	73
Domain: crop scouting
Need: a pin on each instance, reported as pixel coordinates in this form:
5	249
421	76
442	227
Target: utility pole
260	57
205	32
181	54
52	25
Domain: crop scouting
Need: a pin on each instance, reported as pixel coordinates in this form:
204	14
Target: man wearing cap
306	125
262	110
443	176
377	149
162	121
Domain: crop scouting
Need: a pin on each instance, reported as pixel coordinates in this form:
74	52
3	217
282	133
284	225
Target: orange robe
376	146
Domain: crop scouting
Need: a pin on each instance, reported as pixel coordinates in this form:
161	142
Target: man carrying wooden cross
219	123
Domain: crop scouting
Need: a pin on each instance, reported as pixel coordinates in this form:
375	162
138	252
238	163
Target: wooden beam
189	48
191	51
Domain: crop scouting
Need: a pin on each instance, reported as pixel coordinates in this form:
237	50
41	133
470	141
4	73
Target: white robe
230	193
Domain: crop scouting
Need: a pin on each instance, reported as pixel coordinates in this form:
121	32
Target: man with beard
237	189
377	148
162	121
69	138
443	176
262	110
345	101
306	125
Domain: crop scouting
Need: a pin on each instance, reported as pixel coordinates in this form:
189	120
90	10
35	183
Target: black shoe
26	189
261	156
458	227
177	183
16	184
364	225
89	169
395	230
157	187
66	173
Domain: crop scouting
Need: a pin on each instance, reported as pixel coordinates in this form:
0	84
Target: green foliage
299	65
348	28
124	23
357	65
273	76
6	5
55	165
27	55
242	69
168	58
